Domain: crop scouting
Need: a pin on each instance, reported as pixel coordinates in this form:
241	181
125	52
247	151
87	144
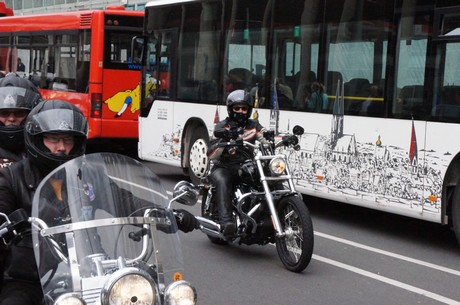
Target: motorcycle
266	206
114	242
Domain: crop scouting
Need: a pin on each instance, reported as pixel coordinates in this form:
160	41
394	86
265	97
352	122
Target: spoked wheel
296	247
209	211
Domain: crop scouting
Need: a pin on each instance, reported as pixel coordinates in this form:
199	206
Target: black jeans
224	178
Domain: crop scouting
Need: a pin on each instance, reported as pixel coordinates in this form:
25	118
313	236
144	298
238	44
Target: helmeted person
17	98
224	173
55	132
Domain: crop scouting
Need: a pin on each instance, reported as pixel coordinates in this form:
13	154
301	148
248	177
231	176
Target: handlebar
288	140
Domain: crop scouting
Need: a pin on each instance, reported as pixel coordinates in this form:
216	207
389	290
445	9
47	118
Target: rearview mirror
185	193
298	130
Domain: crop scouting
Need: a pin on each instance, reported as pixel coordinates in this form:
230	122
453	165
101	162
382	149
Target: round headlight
180	293
277	166
69	299
129	286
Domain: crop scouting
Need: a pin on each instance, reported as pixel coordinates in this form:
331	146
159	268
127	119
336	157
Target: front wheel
296	247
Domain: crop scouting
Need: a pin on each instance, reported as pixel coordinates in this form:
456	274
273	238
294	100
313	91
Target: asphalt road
361	256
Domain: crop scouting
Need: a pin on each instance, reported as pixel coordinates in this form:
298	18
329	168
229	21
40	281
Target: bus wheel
197	158
456	212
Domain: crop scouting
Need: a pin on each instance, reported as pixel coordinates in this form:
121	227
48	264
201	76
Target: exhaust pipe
210	227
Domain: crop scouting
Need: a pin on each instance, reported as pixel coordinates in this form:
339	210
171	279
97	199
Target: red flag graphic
413	145
216	116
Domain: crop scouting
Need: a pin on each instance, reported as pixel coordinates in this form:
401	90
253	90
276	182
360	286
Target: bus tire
456	212
198	163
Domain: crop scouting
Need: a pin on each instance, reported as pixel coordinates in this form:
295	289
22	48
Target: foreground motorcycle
266	205
104	233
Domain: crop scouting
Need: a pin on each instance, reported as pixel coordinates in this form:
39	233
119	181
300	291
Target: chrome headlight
277	166
129	286
69	299
180	293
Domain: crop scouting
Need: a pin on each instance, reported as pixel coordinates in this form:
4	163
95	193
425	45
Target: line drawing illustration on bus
388	143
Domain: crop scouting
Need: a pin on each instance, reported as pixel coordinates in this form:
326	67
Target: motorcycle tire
295	249
212	214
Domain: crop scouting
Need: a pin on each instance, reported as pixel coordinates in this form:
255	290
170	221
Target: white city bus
388	137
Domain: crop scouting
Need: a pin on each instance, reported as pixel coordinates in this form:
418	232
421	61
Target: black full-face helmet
239	97
14	80
18	100
54	116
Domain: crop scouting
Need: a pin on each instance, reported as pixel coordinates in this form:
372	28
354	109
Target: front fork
279	232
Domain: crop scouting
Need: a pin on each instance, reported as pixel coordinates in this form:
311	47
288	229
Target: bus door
446	99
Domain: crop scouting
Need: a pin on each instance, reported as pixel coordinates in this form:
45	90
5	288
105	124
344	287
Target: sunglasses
68	140
238	108
17	113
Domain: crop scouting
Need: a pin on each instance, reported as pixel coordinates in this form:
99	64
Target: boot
226	218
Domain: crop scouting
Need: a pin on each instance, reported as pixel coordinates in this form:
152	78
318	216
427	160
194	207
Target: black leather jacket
18	183
7	157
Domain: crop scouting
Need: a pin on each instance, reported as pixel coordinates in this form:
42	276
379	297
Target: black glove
186	221
269	135
234	133
290	140
227	133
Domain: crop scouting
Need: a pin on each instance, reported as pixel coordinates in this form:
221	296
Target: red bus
83	57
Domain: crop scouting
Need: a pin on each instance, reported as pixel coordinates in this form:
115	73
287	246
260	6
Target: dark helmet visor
57	121
18	98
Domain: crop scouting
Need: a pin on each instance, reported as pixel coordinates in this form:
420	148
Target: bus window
412	49
245	64
198	50
446	101
296	45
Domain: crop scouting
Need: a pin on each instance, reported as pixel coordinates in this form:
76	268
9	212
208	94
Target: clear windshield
89	222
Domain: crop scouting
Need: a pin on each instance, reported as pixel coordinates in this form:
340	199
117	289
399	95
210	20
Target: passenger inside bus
317	99
238	78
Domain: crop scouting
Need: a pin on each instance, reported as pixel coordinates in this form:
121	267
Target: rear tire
198	162
296	248
456	212
209	211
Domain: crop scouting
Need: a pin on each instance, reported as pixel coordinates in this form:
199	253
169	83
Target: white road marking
386	280
387	253
383	279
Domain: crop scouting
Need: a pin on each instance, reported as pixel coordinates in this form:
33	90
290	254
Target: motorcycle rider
17	98
55	132
15	104
224	173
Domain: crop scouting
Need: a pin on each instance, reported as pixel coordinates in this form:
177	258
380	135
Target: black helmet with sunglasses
239	99
15	105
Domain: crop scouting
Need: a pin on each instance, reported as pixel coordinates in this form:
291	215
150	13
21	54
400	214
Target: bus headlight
180	293
277	166
129	286
69	299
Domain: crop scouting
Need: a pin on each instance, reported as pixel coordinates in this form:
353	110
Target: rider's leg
223	180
